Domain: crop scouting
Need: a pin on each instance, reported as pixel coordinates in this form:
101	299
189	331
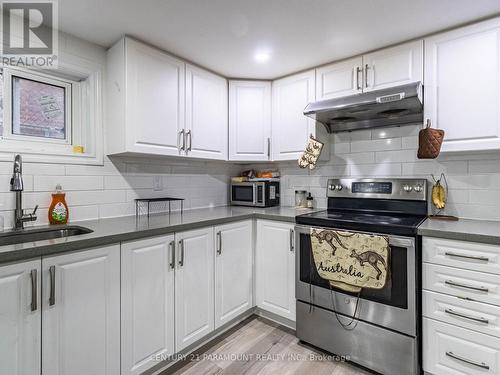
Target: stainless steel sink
40	234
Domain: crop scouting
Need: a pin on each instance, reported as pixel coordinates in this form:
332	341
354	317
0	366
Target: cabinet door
290	128
393	66
462	86
339	79
206	114
154	100
147	302
233	270
275	268
249	120
20	319
81	312
194	286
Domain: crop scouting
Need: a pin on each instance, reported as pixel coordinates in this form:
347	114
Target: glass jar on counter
300	198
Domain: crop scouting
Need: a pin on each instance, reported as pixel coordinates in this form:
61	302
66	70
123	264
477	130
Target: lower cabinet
20	318
194	286
233	270
275	268
81	312
147	302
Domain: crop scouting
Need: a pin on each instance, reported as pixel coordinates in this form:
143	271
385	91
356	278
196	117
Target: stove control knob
339	187
418	188
407	188
331	187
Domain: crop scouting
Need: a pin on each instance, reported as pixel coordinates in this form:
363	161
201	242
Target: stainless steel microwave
255	193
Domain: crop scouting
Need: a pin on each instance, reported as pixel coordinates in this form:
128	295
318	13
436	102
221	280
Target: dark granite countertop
114	230
463	229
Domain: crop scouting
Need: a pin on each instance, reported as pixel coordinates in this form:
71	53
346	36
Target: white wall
474	179
107	191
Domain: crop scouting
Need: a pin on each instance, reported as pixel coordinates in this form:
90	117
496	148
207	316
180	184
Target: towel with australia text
351	261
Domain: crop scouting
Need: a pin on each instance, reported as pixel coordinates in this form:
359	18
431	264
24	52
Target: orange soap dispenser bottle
58	210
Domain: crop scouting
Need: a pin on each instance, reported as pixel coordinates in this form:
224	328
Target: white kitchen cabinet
81	312
206	114
462	86
275	268
20	318
393	66
147	302
249	120
339	79
145	100
194	286
233	270
290	128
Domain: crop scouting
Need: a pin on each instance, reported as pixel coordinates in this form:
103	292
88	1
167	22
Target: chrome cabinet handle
478	288
476	319
34	289
268	147
474	257
470	362
172	256
366	75
358	70
181	249
219	242
52	296
292	245
183	139
189	137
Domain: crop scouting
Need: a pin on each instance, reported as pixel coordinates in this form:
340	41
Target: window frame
8	99
86	75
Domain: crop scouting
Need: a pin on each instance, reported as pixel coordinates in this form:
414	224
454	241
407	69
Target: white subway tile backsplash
48	183
376	145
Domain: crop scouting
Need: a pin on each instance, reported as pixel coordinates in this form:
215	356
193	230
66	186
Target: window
51	116
38	109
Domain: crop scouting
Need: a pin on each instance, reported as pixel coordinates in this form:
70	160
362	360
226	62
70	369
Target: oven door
392	307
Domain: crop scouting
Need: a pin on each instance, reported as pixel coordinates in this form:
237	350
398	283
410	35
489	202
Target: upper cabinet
339	79
393	66
462	86
206	114
249	120
291	129
159	105
145	100
374	71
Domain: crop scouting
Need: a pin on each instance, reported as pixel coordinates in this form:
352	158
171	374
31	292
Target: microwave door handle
254	197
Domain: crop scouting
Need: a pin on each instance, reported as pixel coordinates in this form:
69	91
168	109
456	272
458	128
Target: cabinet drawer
469	255
450	350
476	316
478	286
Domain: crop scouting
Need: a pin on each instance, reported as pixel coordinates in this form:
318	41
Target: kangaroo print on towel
351	261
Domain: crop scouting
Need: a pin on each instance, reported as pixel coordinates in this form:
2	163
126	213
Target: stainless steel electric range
380	330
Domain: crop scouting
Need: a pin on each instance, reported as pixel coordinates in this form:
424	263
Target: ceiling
226	35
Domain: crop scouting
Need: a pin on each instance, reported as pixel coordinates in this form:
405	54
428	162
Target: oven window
395	293
242	193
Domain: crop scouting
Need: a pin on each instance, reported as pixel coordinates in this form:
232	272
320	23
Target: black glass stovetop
374	222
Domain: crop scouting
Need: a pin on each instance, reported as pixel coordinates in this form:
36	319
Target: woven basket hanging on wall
429	142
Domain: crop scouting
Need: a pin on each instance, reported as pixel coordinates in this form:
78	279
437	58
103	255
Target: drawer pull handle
478	288
476	319
34	289
462	359
474	257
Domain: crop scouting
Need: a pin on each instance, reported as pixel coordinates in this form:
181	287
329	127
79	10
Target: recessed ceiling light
262	57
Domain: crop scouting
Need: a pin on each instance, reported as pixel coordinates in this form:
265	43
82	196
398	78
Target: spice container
300	198
310	201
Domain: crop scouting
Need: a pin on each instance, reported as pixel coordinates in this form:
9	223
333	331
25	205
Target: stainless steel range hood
395	106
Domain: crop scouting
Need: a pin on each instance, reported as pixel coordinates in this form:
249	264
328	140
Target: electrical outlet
157	183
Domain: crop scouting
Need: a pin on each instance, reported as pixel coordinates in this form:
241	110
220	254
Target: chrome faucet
17	185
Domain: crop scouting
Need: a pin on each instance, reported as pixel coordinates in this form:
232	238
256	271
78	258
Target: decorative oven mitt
310	156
